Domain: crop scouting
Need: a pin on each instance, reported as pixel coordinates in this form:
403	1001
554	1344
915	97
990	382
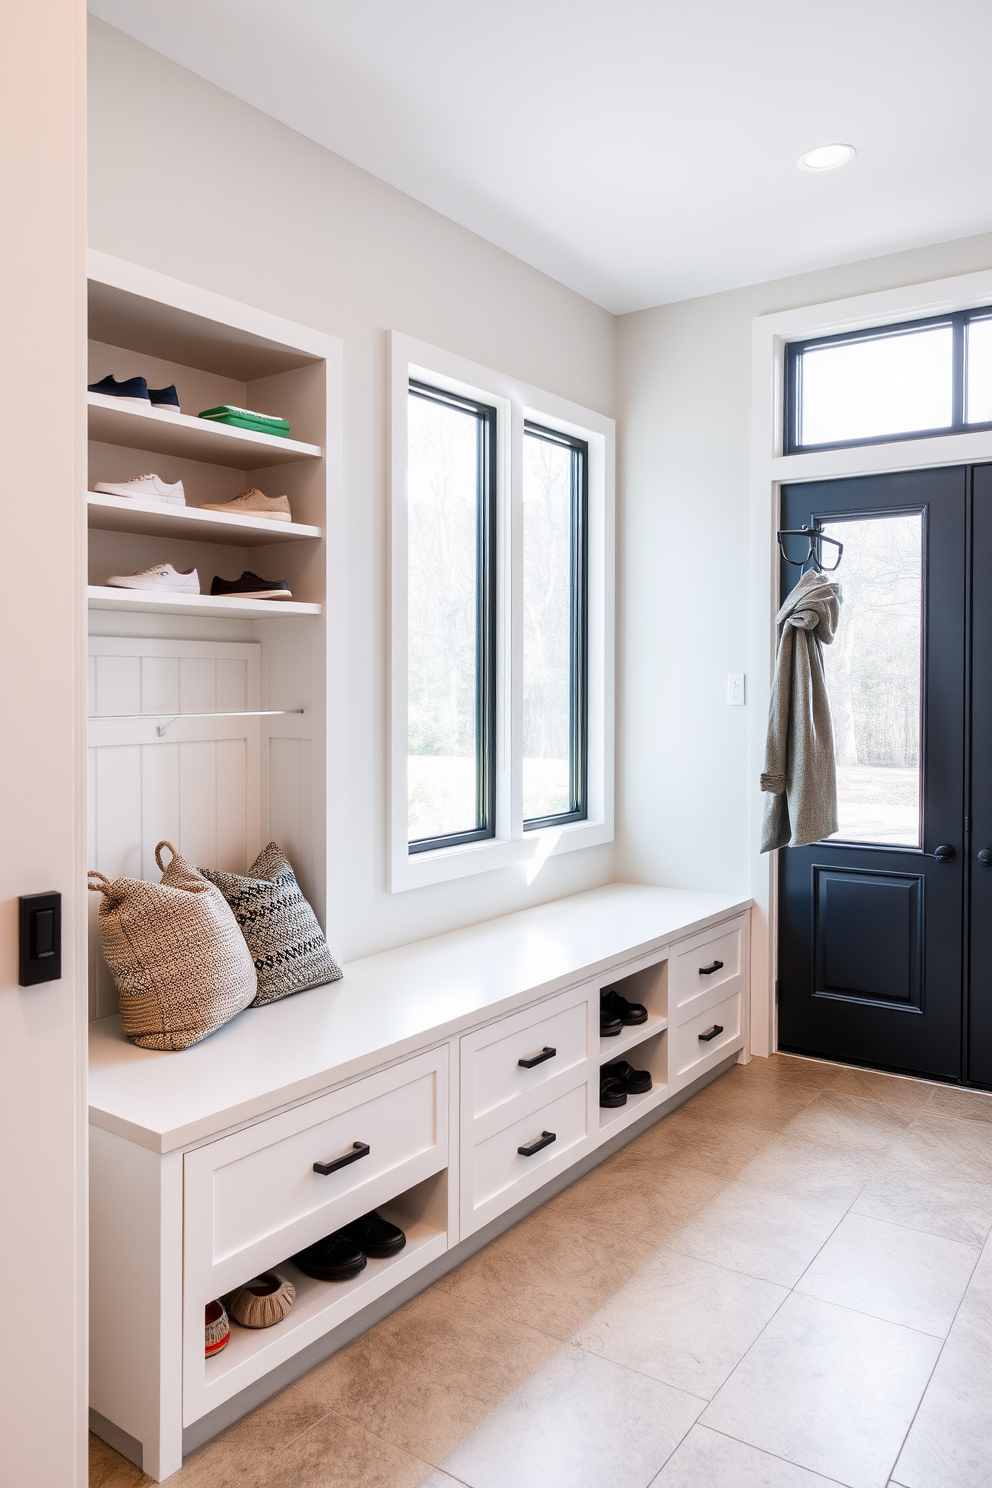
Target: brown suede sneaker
253	503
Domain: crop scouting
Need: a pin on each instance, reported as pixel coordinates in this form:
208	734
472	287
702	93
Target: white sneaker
145	488
161	578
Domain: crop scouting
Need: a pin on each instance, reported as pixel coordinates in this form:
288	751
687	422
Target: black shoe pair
616	1013
250	586
618	1080
344	1253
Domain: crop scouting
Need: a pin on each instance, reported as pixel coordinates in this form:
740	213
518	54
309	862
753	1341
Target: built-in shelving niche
421	1212
644	1045
219	788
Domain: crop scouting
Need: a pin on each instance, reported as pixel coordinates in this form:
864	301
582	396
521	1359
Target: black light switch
40	936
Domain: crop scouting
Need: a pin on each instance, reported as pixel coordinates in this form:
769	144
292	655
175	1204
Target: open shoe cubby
643	1045
421	1212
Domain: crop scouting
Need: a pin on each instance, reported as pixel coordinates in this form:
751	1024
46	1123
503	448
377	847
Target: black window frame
485	618
579	627
958	321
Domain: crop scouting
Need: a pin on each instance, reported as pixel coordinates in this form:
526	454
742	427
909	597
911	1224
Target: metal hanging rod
175	717
814	549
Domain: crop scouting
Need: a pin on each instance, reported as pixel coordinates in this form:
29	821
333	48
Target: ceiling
640	151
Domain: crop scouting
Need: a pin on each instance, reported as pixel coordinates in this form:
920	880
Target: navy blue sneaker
131	390
165	400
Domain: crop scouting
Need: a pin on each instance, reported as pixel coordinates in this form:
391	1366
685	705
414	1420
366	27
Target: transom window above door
913	380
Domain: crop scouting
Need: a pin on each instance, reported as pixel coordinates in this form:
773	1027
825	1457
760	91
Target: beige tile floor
787	1283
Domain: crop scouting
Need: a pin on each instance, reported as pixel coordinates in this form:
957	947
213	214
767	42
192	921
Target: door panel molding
888	973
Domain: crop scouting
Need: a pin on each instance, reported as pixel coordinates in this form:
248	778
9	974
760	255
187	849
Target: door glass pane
979	379
873	671
443	494
547	581
885	385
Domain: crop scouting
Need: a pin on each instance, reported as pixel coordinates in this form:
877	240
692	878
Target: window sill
420	870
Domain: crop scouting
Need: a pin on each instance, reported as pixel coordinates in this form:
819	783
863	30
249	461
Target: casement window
501	687
914	380
555	626
451	624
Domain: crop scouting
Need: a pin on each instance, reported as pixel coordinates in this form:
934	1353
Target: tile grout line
936	1362
776	1456
791	1291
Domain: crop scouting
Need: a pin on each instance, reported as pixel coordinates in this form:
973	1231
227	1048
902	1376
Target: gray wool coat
800	774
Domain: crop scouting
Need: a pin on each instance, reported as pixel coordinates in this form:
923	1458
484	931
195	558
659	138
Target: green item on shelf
245	418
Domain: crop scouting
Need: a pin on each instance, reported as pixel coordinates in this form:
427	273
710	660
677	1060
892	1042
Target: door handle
943	854
985	857
711	1033
359	1149
546	1053
544	1140
709	970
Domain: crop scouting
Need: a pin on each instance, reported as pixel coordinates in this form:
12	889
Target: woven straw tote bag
178	959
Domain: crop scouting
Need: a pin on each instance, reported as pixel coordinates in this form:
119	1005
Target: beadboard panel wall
197	784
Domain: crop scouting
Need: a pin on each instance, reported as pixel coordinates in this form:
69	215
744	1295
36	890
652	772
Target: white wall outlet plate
735	689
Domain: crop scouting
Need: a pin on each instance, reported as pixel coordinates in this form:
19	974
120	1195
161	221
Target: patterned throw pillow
285	940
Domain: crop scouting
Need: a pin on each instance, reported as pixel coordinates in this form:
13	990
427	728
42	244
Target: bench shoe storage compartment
253	1199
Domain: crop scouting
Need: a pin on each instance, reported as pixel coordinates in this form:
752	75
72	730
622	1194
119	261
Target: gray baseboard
232	1410
128	1446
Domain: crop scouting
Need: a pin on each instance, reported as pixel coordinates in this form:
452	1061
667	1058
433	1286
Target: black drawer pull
545	1053
360	1149
711	1033
709	970
544	1140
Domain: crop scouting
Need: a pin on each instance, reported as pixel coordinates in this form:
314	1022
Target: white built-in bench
202	1162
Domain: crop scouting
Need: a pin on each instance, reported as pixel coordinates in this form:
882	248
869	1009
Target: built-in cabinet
464	1073
207	716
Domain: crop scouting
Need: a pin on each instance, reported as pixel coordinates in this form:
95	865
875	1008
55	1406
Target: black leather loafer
609	1025
335	1258
375	1235
634	1082
611	1092
629	1013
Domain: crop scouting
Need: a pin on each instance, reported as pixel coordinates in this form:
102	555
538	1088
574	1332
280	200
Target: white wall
186	179
686	785
42	615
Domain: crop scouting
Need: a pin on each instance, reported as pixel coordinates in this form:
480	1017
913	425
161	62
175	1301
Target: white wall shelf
154	519
137	601
113	421
614	1120
613	1048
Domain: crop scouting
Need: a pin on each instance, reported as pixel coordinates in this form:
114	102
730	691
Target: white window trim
770	469
514	402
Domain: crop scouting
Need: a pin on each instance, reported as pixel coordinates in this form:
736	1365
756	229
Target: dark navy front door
875	939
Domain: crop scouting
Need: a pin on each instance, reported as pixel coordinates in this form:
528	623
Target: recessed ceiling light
826	157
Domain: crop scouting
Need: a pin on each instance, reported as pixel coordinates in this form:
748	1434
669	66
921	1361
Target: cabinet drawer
495	1175
253	1199
693	1055
705	969
493	1077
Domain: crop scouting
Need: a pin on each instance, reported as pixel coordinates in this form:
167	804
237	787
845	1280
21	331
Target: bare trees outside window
450	588
554	643
873	670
